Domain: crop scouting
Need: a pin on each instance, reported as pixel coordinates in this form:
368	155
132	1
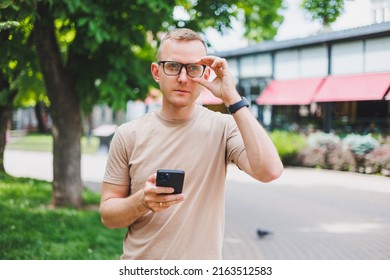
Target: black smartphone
170	178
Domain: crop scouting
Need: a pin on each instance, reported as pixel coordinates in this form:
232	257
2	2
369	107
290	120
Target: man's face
179	90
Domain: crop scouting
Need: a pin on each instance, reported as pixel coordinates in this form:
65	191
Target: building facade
331	81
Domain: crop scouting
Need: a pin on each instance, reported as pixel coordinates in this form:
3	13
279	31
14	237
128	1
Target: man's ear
154	68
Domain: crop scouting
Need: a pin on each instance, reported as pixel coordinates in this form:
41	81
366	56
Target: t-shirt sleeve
117	169
235	145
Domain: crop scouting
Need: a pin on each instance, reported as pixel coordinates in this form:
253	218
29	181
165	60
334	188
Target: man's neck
171	113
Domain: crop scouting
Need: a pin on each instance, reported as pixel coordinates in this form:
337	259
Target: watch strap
238	105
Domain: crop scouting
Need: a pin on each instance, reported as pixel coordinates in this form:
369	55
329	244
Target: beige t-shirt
203	147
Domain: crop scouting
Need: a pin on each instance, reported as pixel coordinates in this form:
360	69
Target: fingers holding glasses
217	64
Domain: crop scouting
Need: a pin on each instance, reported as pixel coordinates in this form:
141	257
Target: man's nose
183	74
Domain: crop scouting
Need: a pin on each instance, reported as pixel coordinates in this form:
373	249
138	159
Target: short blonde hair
181	34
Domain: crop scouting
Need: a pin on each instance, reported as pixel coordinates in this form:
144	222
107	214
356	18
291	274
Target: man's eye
193	67
173	65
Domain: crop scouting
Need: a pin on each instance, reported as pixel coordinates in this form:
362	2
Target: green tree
15	68
325	12
93	51
6	94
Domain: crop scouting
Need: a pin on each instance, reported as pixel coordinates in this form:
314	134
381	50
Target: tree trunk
40	114
3	135
5	116
65	112
6	103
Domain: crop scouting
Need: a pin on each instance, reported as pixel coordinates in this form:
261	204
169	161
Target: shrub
358	153
361	144
341	158
322	151
288	145
378	161
312	157
322	139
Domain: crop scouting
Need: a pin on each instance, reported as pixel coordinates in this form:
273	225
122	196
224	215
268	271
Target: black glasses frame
181	67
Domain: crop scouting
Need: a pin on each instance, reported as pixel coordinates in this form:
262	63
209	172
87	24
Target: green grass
32	230
44	143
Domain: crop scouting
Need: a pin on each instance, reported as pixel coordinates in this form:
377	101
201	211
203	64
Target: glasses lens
195	70
172	68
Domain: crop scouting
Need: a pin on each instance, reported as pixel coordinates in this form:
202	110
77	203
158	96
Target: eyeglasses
173	68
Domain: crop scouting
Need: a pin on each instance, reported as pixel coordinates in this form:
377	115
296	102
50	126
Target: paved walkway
39	165
312	214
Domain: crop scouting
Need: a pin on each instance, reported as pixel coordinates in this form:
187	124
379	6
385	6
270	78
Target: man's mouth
181	91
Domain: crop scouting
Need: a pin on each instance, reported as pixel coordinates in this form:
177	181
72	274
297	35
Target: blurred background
317	75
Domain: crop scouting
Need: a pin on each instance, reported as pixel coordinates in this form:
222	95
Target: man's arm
119	210
260	158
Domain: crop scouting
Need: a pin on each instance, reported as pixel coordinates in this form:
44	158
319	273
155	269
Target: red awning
290	92
207	98
354	88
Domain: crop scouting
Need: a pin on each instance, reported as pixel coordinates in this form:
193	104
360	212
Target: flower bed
356	153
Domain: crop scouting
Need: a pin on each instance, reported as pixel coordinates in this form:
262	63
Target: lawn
44	143
33	230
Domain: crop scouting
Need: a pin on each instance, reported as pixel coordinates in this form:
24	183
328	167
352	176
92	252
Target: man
182	135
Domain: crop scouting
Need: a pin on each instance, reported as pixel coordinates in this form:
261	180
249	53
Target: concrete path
311	214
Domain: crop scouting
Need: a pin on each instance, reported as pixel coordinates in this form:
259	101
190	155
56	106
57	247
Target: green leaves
262	19
8	25
5	3
114	42
18	62
325	12
31	89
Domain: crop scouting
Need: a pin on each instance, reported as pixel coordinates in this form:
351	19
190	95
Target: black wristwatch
238	105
